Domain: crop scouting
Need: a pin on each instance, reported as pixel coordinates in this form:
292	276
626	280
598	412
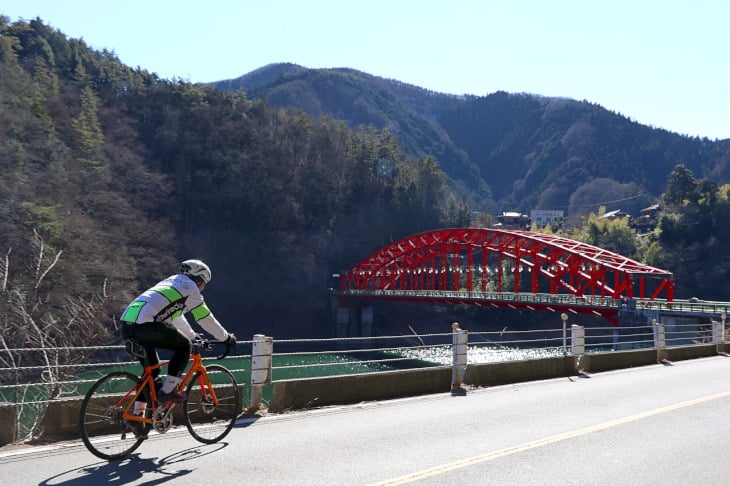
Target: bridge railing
691	306
29	382
538	298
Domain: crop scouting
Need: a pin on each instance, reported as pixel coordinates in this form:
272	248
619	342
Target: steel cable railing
597	339
29	385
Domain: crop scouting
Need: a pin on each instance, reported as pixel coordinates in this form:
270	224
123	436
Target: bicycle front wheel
101	424
207	422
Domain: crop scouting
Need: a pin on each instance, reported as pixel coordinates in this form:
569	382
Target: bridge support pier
342	320
354	321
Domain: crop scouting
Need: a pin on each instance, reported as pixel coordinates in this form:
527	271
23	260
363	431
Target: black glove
231	339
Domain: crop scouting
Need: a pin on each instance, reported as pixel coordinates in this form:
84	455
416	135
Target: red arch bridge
507	268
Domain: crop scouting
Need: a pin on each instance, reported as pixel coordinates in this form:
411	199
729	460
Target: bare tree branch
5	268
50	266
31	317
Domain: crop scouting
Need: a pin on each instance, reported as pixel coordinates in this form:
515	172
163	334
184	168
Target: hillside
110	175
503	151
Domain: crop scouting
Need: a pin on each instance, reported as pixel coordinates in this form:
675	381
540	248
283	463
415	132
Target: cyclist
156	319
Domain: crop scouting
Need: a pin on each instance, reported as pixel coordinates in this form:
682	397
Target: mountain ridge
502	151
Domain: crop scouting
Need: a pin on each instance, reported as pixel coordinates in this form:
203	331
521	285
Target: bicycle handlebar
228	348
201	343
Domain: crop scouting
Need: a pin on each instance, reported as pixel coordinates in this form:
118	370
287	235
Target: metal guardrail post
660	340
577	344
577	340
261	365
460	346
723	316
716	332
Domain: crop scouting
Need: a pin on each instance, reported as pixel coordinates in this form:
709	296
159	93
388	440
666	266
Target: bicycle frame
206	388
208	414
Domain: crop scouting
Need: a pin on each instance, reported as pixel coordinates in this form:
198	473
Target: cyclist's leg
140	333
130	331
181	347
165	336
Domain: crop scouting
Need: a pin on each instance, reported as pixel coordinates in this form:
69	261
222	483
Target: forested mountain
509	151
110	175
504	151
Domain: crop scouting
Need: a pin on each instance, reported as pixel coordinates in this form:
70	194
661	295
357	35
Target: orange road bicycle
111	429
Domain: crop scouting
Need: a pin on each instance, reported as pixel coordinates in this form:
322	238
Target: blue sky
660	63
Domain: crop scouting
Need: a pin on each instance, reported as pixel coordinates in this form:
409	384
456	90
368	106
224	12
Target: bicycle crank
162	419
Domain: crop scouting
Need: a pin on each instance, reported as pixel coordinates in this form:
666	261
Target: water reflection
443	355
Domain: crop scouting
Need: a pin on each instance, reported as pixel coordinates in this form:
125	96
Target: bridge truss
498	260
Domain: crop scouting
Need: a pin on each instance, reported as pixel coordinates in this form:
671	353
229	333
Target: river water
292	366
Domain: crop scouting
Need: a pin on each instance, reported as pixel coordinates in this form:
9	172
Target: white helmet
196	269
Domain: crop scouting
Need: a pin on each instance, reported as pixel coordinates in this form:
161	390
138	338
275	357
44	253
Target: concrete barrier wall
8	417
490	374
61	421
316	392
597	362
690	352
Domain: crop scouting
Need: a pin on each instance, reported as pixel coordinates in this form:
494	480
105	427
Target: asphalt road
662	424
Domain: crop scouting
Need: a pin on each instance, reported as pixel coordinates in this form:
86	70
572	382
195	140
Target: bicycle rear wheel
101	424
206	422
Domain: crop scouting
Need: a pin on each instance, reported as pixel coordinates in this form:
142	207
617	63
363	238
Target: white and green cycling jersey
169	301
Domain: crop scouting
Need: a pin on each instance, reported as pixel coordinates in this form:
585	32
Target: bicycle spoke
207	422
100	421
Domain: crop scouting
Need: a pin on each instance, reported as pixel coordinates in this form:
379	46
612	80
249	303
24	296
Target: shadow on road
246	421
134	469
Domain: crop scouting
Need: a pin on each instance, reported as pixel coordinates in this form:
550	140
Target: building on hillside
548	217
616	214
513	220
648	220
